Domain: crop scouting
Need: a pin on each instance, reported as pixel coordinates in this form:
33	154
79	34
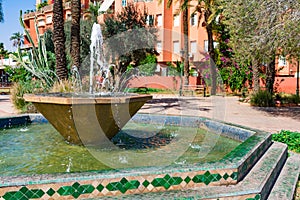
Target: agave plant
37	64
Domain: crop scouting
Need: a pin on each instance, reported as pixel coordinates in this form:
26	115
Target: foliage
262	98
234	75
48	37
287	98
209	10
17	38
85	35
3	52
93	11
37	62
64	86
18	74
175	69
41	5
128	40
22	87
144	90
292	139
259	29
147	66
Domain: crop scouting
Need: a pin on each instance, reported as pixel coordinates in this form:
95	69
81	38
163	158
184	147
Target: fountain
152	157
112	110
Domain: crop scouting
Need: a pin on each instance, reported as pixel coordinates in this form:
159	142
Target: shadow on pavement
292	112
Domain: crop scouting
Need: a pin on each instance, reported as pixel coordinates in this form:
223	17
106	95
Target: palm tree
1	12
75	33
184	5
208	11
18	39
59	40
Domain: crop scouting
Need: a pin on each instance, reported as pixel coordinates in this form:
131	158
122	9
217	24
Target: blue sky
11	10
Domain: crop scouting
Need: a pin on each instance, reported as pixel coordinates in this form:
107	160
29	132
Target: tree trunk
270	76
255	67
59	40
186	67
75	33
211	52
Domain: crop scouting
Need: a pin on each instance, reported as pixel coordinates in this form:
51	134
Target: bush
21	88
262	98
287	98
292	139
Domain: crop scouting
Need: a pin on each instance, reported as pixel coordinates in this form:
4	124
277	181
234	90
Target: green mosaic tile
23	190
50	192
187	179
207	174
216	177
123	185
111	187
87	189
76	194
234	175
123	181
199	179
30	194
65	190
207	181
166	185
75	185
257	197
8	195
157	182
38	193
167	177
146	183
225	176
100	187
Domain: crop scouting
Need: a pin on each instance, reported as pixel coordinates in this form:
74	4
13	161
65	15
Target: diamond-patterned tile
50	192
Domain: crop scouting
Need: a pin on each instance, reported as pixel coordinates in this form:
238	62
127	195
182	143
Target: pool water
39	148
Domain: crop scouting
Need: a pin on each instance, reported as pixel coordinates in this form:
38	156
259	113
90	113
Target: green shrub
262	98
292	139
287	98
21	88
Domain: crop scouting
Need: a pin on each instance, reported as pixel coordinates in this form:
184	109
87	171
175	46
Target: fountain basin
97	118
230	170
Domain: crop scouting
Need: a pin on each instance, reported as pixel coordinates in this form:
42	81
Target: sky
11	10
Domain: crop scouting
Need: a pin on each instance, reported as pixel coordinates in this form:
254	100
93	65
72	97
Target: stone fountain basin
88	119
230	170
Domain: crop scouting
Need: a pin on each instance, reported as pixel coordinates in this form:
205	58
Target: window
49	19
176	20
194	19
176	47
68	16
150	20
206	45
124	3
193	47
159	20
159	47
41	22
281	61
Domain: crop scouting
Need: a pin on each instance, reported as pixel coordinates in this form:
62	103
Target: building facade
166	20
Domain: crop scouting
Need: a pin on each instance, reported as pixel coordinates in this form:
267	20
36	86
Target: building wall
170	37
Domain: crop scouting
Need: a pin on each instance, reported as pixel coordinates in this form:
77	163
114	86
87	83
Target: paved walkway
227	109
